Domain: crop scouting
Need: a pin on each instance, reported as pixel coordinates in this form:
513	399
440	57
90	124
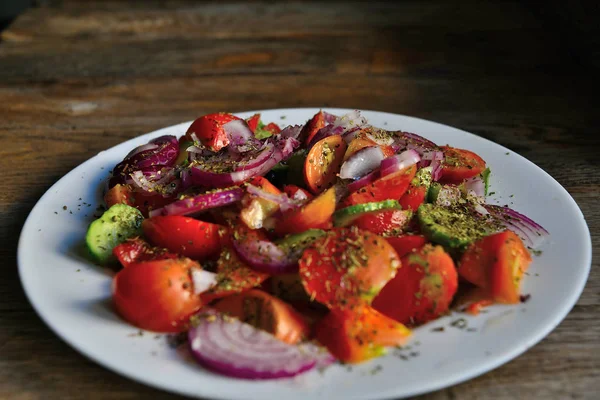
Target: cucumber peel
117	224
347	215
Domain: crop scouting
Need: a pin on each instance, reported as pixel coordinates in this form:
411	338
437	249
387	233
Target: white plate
73	296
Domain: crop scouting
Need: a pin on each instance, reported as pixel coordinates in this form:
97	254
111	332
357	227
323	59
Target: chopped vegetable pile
283	250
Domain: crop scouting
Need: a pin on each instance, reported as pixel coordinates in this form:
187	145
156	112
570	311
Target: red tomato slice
295	192
136	250
157	295
413	198
273	128
315	214
186	236
460	164
233	276
360	142
422	289
257	209
347	267
390	187
323	163
119	194
385	223
312	127
123	194
209	130
358	335
253	122
266	312
407	243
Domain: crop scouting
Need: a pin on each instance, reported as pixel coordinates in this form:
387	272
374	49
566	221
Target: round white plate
72	295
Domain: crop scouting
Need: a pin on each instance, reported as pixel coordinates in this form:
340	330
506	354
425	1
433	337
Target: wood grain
79	77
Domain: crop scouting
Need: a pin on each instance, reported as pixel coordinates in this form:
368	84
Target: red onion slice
437	158
241	138
234	348
351	122
282	199
139	149
399	161
201	202
364	181
475	186
411	141
202	280
532	233
264	256
362	162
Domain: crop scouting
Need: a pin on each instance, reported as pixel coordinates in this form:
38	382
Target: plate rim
451	380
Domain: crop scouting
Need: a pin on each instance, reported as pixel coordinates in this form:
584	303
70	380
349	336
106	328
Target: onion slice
265	256
282	200
399	161
532	233
202	280
201	202
234	348
241	138
364	181
475	186
362	162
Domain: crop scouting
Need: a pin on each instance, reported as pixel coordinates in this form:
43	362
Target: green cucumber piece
433	192
117	224
453	227
295	244
485	175
345	216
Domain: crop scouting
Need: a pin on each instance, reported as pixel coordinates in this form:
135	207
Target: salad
283	250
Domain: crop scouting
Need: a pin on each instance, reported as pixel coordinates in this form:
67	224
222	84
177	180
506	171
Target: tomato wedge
422	289
407	243
496	263
358	335
119	194
257	209
460	164
157	295
347	267
385	223
209	130
137	250
266	312
389	187
233	276
296	192
323	163
253	122
312	127
186	236
413	198
359	143
316	214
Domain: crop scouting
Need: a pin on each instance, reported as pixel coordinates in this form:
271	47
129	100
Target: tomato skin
266	312
422	289
253	122
273	128
124	194
413	198
186	236
119	194
460	164
389	187
323	163
385	223
496	263
312	127
360	142
358	335
294	191
157	295
256	209
233	276
209	130
347	267
137	250
316	214
406	244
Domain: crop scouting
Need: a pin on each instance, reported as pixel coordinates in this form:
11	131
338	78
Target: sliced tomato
389	187
137	250
406	244
460	164
422	289
316	214
186	236
413	198
233	276
359	335
157	295
272	128
253	122
312	127
209	130
323	163
347	267
257	209
496	263
119	194
385	223
296	192
266	312
359	143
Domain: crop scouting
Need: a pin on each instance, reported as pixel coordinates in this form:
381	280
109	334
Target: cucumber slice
433	192
485	175
117	224
296	244
345	216
453	227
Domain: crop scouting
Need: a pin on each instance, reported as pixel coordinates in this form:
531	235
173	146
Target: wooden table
79	77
